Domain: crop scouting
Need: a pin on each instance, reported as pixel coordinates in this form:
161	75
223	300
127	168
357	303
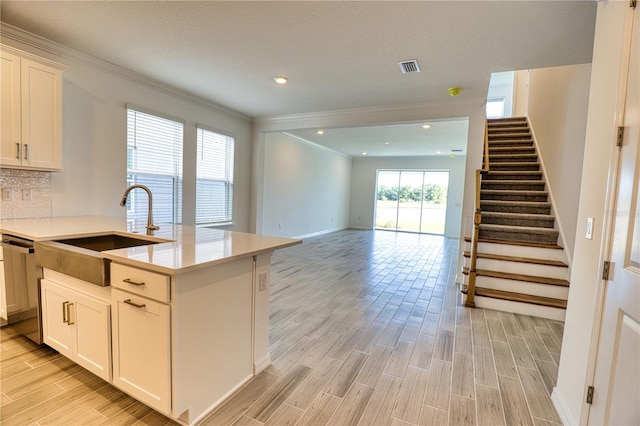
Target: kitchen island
184	322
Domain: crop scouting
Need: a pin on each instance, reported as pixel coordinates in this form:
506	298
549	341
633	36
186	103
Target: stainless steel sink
80	257
107	242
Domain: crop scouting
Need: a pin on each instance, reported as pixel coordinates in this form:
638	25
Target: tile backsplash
25	194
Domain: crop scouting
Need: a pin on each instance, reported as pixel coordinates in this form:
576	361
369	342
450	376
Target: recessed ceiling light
280	79
438	152
320	132
426	126
364	153
387	143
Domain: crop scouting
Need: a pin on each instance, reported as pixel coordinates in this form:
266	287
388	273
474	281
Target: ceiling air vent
456	150
409	66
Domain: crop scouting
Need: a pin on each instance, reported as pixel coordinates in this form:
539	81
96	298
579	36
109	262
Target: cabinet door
41	88
55	312
91	321
142	349
10	127
3	291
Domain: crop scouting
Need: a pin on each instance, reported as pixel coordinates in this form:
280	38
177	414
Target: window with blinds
154	159
214	178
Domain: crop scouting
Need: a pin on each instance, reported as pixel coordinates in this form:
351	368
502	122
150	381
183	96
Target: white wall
576	361
363	187
306	188
94	133
557	109
521	93
471	108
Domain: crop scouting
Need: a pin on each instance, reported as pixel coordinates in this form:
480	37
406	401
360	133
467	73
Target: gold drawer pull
69	305
65	313
130	281
137	305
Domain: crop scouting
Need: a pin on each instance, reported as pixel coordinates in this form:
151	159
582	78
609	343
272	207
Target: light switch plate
7	194
27	195
589	234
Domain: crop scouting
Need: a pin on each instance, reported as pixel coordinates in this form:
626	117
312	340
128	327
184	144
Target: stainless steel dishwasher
21	301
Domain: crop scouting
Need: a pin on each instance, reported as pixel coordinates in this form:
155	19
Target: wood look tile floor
367	328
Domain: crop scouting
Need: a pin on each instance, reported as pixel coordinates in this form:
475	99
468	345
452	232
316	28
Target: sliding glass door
412	200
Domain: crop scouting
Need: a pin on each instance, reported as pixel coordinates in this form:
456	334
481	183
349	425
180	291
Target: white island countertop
181	248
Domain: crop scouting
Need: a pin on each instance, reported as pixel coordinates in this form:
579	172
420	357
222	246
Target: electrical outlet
263	282
279	226
27	195
7	194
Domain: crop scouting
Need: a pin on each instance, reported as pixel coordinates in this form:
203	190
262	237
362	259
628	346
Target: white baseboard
562	408
261	364
315	234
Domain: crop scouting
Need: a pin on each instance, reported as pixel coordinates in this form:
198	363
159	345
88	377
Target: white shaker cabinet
142	349
142	335
31	111
3	291
77	324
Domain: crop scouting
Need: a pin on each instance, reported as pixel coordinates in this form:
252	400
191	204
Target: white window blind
154	159
214	178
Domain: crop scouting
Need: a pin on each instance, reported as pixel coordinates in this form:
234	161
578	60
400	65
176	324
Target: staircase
520	266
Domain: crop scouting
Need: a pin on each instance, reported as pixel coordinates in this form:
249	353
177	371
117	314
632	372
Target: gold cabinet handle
137	305
69	305
26	151
18	150
130	281
65	318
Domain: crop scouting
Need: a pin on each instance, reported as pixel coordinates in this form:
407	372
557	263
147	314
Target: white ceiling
442	138
338	55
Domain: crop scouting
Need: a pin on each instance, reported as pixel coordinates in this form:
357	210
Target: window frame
229	183
176	178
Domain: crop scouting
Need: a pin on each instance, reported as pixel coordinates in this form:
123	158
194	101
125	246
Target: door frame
610	206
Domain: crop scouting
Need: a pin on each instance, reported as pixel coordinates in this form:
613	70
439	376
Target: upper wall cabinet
31	110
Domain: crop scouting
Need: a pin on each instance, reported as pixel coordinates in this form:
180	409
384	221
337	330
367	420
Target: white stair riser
520	251
523	287
520	308
522	268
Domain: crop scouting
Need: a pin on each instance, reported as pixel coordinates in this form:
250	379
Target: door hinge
620	136
633	3
590	390
606	265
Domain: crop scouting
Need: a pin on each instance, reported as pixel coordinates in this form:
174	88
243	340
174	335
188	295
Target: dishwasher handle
9	244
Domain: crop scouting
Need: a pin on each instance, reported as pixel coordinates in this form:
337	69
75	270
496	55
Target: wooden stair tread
518	277
519	297
516	243
531	260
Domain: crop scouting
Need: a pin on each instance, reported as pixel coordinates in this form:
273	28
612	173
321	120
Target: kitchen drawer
145	283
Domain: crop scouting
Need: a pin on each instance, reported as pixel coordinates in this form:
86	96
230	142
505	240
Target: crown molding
317	146
396	114
53	50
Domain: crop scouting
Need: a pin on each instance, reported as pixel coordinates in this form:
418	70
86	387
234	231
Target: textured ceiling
337	54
